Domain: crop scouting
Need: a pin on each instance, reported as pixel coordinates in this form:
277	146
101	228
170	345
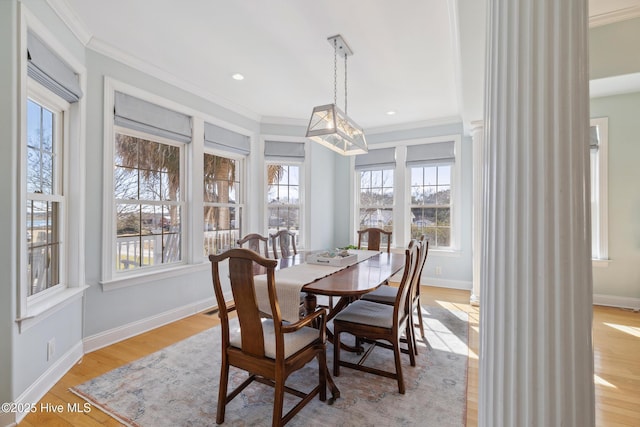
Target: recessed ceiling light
391	113
237	76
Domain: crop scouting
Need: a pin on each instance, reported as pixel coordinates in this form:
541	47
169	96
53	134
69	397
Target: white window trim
33	310
602	257
402	196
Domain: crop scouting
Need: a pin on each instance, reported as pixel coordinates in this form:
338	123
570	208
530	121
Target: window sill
600	262
146	277
44	308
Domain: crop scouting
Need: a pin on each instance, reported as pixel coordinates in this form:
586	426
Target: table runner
289	283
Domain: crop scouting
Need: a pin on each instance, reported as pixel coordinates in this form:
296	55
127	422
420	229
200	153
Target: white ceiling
406	52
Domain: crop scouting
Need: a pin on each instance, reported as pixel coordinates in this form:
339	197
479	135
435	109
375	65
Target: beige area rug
178	386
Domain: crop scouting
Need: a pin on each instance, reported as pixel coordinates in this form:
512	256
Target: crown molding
615	16
615	85
286	121
71	20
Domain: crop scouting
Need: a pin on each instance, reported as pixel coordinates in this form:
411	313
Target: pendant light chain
335	72
345	84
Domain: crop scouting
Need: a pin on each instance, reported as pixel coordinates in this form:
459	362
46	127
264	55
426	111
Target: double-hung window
375	187
53	89
285	190
430	170
223	193
148	183
598	157
45	213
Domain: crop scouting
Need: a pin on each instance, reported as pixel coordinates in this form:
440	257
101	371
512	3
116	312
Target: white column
477	136
536	359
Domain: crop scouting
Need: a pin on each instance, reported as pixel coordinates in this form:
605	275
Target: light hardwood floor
616	335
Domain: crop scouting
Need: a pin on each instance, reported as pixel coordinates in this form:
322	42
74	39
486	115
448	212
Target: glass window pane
444	175
387	178
443	216
443	196
417	176
376	178
150	187
43	245
125	183
430	175
127	219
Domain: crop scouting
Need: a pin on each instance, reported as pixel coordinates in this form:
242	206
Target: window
376	199
148	184
283	195
409	188
599	155
375	186
222	203
431	204
285	189
148	193
45	198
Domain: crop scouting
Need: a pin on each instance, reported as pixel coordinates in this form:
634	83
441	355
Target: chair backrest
287	242
374	238
241	271
423	250
253	242
401	306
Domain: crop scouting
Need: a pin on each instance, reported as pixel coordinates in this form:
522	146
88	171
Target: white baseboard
614	301
43	384
447	283
129	330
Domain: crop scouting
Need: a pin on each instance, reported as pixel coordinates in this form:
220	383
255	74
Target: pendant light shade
329	125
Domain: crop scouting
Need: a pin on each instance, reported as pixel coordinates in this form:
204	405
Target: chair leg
396	356
421	322
222	392
411	342
336	352
322	374
278	401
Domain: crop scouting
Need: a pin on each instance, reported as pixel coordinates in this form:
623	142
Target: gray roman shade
45	67
594	138
136	114
429	154
283	151
225	139
382	158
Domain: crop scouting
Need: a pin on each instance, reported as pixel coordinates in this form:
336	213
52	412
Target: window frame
241	178
599	191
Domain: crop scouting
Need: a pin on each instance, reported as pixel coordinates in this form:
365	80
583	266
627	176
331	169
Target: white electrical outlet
438	271
51	348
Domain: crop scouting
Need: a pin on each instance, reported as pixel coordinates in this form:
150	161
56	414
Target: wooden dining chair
268	349
286	241
374	238
370	321
254	241
387	294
